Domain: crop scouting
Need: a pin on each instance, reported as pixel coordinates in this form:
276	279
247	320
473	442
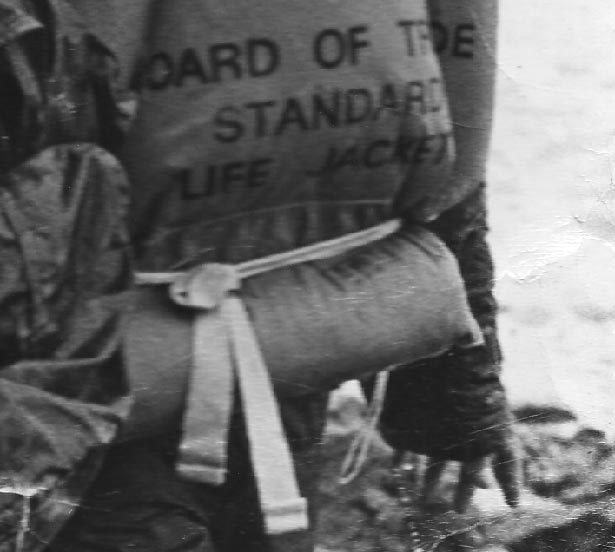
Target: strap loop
205	287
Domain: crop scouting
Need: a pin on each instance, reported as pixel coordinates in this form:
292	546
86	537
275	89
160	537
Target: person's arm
454	407
465	39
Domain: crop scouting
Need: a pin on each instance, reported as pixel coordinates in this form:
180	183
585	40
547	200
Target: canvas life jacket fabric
65	257
265	127
318	324
464	37
462	34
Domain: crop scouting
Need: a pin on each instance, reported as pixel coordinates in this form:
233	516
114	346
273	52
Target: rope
357	452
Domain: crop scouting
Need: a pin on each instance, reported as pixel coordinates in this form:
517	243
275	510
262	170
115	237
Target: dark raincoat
65	257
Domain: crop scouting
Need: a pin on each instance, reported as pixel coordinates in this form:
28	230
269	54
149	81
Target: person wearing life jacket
289	167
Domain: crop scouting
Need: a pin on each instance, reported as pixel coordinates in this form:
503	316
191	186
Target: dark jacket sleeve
454	406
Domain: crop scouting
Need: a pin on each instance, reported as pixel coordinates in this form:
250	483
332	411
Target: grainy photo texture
326	276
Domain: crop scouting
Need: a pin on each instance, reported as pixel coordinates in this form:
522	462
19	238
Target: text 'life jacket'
264	127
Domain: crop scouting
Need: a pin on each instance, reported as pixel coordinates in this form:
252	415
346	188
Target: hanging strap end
286	517
200	473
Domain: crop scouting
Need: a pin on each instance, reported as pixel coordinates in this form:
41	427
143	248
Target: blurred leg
240	526
137	504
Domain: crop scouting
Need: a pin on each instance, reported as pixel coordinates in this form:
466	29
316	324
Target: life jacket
263	130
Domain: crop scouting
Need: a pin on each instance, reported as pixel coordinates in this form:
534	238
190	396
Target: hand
504	462
450	413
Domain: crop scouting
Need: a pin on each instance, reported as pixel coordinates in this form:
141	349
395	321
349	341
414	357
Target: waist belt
225	348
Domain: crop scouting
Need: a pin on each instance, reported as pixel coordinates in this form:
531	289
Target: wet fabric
63	237
65	254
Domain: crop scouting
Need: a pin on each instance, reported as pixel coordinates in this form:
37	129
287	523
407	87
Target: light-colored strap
320	250
283	508
224	345
202	455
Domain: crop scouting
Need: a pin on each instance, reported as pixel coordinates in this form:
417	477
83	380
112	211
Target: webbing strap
283	508
203	449
224	347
